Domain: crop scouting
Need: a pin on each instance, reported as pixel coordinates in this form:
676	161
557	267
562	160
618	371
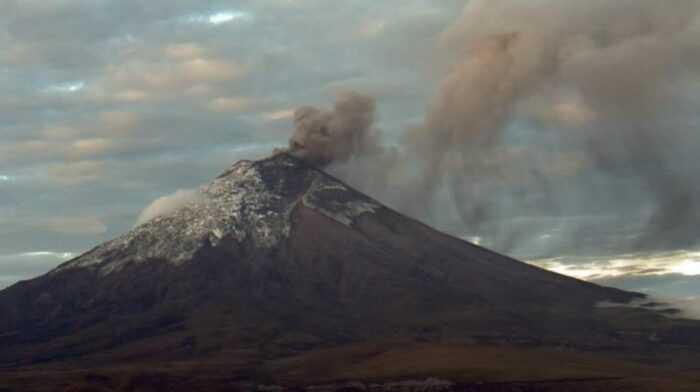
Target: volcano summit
281	274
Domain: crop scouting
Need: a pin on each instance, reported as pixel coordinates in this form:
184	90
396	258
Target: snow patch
336	201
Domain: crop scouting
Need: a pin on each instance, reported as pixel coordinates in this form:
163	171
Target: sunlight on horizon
684	263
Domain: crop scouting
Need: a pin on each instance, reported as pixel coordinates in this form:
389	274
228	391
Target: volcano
283	275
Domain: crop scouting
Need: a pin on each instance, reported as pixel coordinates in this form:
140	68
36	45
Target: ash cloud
602	78
325	136
550	108
170	204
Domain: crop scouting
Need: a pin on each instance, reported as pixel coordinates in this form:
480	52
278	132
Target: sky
106	106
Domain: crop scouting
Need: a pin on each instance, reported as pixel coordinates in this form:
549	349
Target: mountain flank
283	275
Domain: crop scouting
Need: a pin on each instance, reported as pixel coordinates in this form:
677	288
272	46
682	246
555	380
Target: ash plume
325	136
170	204
602	82
551	107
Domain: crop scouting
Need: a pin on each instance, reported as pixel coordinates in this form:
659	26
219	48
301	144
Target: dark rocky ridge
283	258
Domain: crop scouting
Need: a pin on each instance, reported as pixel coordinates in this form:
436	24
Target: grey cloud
671	284
26	265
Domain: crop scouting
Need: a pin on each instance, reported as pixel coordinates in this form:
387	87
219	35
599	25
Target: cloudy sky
108	105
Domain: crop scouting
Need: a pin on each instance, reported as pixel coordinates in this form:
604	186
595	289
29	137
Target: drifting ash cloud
170	204
589	105
322	136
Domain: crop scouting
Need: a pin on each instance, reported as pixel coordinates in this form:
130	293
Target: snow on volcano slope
243	204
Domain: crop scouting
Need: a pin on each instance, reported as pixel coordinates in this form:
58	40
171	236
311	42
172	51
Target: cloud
118	122
372	27
689	307
227	17
231	105
76	173
186	50
110	132
680	307
659	282
67	88
89	148
145	76
277	115
71	225
167	205
58	132
28	264
77	225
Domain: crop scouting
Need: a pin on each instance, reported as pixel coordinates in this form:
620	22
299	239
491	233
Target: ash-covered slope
280	257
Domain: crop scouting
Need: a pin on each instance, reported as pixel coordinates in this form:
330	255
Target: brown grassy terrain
467	366
467	362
